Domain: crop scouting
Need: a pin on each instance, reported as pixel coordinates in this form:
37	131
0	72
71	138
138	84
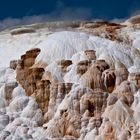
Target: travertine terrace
70	81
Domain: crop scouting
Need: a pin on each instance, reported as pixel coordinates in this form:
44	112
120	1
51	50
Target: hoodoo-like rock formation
26	75
82	84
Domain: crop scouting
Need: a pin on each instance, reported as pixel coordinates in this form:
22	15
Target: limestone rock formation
82	67
90	54
109	79
26	75
81	84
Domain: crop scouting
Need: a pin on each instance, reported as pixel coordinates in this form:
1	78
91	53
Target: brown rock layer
90	54
26	75
63	64
82	67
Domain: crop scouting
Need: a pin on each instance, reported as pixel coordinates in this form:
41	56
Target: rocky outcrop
63	64
57	94
42	94
72	86
92	78
96	74
103	29
26	75
109	79
90	54
121	74
82	66
82	102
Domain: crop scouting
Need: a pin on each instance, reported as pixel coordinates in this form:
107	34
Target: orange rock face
27	76
30	79
42	94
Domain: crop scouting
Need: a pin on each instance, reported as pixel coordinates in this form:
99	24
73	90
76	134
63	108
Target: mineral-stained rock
63	89
73	86
121	74
57	94
40	88
29	58
90	54
126	90
13	64
109	79
42	94
95	103
82	67
19	64
101	65
76	102
108	132
26	75
108	129
28	78
63	64
103	29
92	78
126	87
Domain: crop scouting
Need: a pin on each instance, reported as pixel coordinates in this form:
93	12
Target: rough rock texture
26	75
82	66
81	84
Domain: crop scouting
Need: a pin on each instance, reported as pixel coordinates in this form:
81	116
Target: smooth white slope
63	45
12	47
